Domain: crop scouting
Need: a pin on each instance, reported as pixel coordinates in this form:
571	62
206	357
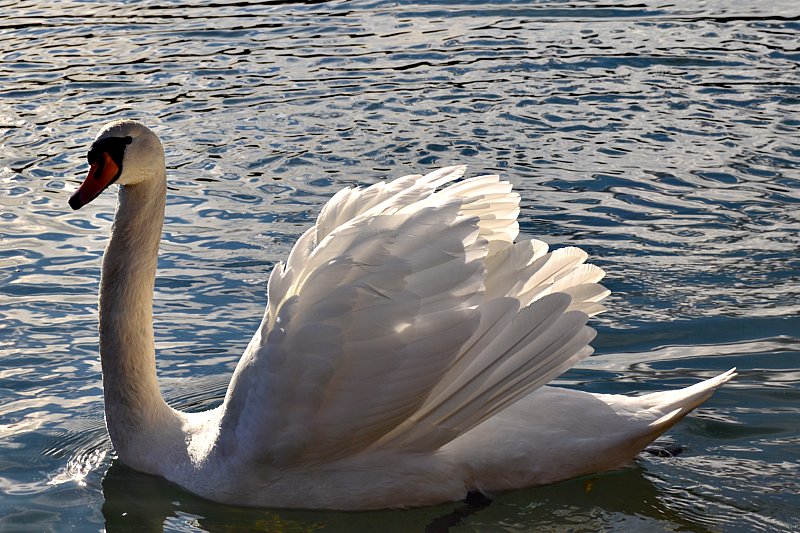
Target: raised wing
406	316
532	329
360	324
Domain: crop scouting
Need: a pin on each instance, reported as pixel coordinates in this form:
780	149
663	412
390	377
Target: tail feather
556	433
678	403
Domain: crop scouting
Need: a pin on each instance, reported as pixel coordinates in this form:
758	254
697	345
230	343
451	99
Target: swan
402	359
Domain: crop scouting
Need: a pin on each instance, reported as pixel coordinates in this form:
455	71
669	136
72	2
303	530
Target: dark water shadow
143	503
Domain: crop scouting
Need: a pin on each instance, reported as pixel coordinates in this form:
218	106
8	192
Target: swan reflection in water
149	503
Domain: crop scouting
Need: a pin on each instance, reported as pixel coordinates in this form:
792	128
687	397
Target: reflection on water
132	498
662	138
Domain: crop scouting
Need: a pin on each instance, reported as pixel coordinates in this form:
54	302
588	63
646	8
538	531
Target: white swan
401	361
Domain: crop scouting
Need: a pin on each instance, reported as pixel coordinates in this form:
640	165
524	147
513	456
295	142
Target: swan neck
135	409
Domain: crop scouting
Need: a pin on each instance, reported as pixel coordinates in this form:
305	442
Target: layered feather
409	304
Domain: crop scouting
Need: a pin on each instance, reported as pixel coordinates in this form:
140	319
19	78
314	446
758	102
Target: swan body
402	359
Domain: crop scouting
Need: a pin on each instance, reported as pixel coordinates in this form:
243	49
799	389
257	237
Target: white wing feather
406	316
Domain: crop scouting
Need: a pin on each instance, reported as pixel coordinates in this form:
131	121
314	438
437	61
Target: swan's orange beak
102	173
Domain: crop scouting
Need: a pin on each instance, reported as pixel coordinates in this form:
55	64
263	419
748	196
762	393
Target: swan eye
113	146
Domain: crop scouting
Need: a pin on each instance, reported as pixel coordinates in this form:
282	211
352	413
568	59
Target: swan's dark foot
477	500
474	502
668	450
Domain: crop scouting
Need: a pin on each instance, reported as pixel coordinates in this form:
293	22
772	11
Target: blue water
660	137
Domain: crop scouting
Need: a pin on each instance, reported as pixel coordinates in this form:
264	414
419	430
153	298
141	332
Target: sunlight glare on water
662	138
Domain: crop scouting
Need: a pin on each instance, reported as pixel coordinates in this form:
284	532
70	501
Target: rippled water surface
660	137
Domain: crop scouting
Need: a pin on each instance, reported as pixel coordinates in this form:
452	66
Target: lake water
662	137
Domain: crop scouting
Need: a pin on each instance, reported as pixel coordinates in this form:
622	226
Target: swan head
125	152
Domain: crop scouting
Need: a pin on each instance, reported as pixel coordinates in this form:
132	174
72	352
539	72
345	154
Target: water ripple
661	138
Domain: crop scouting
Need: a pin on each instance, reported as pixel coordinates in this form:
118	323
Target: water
660	137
